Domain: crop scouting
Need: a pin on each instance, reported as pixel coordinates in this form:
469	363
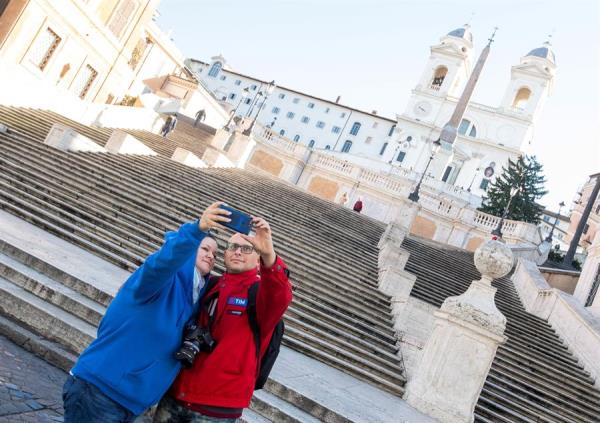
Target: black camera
195	339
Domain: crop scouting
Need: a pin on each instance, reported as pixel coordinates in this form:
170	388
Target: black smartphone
240	221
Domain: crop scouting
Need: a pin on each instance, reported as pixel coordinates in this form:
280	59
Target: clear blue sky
372	53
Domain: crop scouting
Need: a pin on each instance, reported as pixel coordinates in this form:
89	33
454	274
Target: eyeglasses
245	249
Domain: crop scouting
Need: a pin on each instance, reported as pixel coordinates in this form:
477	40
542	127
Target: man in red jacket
220	383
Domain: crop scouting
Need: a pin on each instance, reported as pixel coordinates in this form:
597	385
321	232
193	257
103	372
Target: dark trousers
170	411
84	403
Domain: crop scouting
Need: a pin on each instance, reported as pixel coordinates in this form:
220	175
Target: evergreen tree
526	174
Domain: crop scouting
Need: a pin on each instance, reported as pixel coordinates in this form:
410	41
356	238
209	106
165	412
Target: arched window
327	147
282	132
391	130
296	137
347	146
438	77
383	147
215	69
311	144
355	128
467	127
521	99
401	156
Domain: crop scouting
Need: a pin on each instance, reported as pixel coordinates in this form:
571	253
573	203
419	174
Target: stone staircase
534	377
118	207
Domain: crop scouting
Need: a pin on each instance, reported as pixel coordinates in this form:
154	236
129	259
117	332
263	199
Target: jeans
169	411
85	403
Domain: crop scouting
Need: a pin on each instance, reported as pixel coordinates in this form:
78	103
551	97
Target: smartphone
240	221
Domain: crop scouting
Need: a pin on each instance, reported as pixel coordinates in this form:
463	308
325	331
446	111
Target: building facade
98	50
487	135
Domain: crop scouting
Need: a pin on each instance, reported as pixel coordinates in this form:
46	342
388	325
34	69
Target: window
282	132
375	125
290	115
401	156
296	138
343	115
320	124
336	129
232	96
296	100
223	78
438	78
44	48
447	173
311	144
347	146
484	184
305	119
368	140
409	138
546	218
121	17
521	99
327	147
466	126
391	131
248	101
84	81
282	96
355	128
215	69
253	87
311	105
586	228
327	110
275	110
238	82
383	147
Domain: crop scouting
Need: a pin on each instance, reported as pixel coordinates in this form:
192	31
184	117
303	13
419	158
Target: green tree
526	174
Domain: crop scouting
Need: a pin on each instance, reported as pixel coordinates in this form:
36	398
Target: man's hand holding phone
214	216
262	241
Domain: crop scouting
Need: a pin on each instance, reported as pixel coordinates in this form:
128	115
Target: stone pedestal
188	158
120	142
458	355
67	139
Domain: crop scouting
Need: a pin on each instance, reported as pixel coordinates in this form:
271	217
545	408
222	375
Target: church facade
487	135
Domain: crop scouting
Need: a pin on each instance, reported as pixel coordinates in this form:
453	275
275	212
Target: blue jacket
132	359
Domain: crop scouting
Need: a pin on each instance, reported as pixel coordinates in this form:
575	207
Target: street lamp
435	147
268	91
245	93
498	231
551	234
473	180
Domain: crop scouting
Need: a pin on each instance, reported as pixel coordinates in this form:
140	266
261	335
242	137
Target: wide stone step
51	291
277	410
44	318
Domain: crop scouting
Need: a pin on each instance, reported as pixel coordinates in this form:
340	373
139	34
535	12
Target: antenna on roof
548	41
470	18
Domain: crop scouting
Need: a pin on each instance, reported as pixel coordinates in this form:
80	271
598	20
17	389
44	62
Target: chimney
337	100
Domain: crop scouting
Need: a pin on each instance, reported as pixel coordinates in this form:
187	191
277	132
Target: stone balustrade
443	200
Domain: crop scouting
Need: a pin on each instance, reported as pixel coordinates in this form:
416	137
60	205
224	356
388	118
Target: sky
372	53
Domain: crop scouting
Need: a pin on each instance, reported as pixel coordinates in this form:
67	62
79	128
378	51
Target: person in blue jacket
131	363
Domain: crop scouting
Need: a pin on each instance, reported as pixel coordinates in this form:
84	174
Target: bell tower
531	83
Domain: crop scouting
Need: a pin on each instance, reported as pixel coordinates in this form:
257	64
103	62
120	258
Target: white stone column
589	272
460	351
393	279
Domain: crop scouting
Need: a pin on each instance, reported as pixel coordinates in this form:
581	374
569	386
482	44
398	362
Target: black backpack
265	364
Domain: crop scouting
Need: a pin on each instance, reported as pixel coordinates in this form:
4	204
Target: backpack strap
251	311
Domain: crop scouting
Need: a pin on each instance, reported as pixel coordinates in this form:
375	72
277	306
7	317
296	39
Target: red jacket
226	376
